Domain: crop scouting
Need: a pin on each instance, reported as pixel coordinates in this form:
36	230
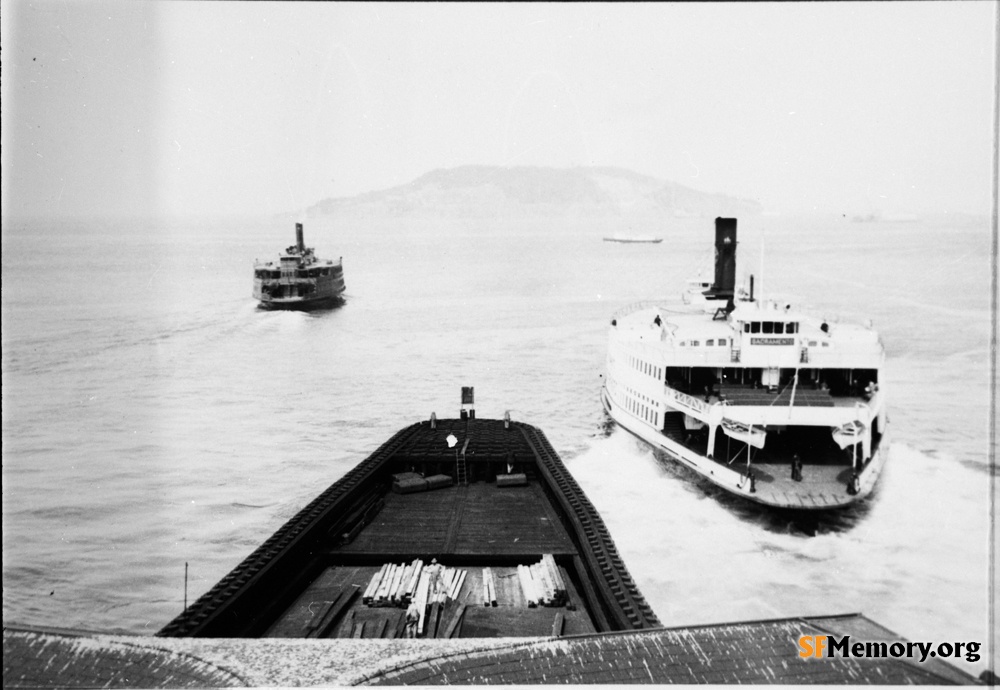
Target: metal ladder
461	470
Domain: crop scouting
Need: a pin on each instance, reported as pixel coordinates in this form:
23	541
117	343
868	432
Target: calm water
153	416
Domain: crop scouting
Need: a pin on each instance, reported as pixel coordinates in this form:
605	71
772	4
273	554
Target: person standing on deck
412	619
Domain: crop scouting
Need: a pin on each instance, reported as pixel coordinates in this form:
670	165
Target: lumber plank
456	618
320	616
326	626
433	622
557	624
347	627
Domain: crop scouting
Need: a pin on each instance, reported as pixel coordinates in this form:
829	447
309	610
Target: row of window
711	342
266	274
640	405
646	368
776	327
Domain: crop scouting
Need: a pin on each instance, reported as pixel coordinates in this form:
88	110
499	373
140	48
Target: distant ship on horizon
634	239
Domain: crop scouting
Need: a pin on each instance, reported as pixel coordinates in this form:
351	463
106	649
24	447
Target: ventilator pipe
506	419
434	421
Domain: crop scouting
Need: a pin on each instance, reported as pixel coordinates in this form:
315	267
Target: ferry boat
299	280
770	403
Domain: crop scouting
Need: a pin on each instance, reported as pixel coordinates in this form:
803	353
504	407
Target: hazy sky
239	107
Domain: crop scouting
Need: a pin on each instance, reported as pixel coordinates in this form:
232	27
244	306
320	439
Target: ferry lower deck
826	478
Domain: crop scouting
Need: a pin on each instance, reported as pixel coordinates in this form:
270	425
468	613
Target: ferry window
695	343
812	343
779	327
722	341
792	327
710	342
768	327
755	327
746	328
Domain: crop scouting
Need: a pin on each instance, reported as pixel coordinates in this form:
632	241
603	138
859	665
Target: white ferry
763	400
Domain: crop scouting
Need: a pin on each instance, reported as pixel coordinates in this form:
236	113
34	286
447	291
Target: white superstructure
765	401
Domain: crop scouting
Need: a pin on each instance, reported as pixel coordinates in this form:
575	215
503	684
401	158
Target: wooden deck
822	485
805	396
463	617
471	527
477	519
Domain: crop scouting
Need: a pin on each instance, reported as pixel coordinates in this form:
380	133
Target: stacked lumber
542	583
393	584
399	584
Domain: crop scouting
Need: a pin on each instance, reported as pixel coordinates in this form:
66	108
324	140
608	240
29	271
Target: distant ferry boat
769	403
299	280
629	239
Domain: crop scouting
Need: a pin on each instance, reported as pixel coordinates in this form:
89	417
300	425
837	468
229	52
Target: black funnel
724	286
299	239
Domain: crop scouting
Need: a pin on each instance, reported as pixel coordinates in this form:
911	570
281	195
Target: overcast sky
255	108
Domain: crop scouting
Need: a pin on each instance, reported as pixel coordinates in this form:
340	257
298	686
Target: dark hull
301	304
338	542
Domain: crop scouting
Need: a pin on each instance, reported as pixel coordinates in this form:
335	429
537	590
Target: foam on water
701	559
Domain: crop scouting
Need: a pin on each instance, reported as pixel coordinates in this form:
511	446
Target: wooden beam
329	620
456	619
557	624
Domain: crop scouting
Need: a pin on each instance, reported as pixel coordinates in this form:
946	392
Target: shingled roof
762	652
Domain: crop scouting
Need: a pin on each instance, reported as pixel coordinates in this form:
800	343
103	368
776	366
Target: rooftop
748	652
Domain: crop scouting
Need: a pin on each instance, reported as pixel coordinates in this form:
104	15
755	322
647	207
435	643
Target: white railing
688	401
634	307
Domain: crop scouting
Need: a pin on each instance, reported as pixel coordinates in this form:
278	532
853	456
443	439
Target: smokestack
724	286
299	240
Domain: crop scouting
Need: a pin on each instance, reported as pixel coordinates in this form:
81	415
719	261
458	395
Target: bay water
154	417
